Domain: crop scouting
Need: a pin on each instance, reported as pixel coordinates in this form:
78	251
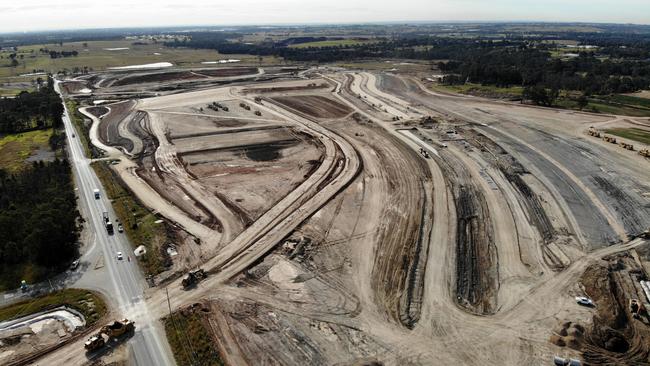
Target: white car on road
119	256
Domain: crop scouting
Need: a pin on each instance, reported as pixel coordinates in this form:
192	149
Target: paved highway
149	345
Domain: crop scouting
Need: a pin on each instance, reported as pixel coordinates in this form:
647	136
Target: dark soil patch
267	152
315	106
97	111
233	71
281	89
159	77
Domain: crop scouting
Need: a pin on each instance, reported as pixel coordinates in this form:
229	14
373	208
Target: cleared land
363	218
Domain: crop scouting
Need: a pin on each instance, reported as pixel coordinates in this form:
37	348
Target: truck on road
108	223
96	193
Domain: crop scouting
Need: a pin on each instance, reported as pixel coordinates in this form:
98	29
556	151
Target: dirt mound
569	335
557	340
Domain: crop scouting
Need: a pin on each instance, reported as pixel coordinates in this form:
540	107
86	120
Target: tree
540	96
582	101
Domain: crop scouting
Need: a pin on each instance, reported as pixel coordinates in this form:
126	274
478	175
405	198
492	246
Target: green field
333	43
16	148
621	105
97	56
88	303
139	224
635	134
190	341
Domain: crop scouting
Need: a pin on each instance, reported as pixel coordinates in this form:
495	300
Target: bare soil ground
341	226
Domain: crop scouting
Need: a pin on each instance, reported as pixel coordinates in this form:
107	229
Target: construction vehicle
610	139
424	153
645	152
193	277
95	342
625	145
113	330
108	223
593	132
636	308
118	327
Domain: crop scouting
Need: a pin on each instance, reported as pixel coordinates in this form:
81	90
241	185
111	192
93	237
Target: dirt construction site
357	218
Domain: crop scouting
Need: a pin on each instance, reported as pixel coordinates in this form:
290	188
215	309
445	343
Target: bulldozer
193	277
625	145
609	139
113	330
645	153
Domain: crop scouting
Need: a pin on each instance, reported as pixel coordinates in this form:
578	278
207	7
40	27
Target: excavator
111	331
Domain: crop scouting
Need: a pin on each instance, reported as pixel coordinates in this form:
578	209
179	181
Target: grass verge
481	90
139	223
190	340
16	148
83	131
635	134
88	303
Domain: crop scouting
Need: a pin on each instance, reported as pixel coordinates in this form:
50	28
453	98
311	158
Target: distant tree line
620	64
31	110
39	221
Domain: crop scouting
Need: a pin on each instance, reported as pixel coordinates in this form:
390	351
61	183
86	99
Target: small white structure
140	251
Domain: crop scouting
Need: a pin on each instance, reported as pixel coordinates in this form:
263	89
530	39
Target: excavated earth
360	218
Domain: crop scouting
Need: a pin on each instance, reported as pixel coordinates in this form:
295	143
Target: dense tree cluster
59	54
526	66
39	220
29	111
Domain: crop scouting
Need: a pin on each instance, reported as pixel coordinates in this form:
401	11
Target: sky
28	15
